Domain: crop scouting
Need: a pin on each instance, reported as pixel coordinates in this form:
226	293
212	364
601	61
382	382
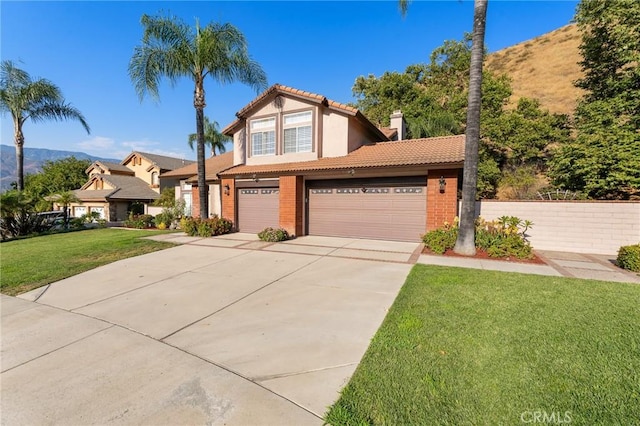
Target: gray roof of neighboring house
111	166
165	163
115	166
126	188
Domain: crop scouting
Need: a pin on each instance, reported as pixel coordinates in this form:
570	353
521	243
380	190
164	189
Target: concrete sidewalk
573	265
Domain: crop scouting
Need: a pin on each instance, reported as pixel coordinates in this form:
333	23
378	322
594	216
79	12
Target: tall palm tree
212	137
25	98
465	244
172	49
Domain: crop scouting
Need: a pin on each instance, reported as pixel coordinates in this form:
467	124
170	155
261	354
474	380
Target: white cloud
97	144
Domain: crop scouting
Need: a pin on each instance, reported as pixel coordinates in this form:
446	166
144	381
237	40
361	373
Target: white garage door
258	208
386	212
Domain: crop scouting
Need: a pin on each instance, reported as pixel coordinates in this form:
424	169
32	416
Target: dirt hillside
543	68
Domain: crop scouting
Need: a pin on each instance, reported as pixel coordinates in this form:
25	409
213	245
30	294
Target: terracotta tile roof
389	132
279	88
413	152
213	166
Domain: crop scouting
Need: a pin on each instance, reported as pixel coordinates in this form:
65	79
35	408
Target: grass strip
462	346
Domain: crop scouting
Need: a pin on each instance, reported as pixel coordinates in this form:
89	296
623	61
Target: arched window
155	181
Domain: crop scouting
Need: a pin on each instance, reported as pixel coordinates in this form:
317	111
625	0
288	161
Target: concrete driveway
216	331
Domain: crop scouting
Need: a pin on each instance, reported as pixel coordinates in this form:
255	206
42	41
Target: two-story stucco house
112	189
318	167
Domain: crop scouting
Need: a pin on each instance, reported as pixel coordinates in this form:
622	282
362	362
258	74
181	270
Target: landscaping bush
629	257
139	221
170	215
504	237
205	227
441	239
273	235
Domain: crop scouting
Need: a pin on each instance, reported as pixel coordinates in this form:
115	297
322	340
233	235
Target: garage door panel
383	213
258	209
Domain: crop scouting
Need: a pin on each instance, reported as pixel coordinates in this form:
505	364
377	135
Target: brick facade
441	206
195	201
229	200
291	204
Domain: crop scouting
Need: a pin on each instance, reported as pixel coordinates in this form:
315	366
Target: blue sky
84	47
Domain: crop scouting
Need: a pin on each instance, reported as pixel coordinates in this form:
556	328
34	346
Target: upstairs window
297	132
263	136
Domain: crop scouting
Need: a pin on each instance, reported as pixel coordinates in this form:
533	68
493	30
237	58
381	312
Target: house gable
285	125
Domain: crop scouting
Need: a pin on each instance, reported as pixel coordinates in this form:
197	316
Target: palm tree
172	49
38	100
65	199
465	244
212	137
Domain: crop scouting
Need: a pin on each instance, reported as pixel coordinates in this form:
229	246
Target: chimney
398	123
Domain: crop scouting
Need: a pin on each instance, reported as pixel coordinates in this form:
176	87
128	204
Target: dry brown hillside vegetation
543	68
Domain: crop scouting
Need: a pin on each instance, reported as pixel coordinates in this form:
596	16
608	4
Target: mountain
34	158
544	68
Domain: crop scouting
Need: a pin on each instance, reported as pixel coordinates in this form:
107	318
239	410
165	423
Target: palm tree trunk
19	142
465	244
203	192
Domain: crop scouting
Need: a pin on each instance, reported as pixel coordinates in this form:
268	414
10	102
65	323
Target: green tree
520	142
604	159
25	98
212	137
167	198
172	49
57	176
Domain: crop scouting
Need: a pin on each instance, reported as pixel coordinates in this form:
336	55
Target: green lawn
33	262
462	346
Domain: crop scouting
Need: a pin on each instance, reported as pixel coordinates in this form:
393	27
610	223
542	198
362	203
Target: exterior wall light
443	184
226	189
255	178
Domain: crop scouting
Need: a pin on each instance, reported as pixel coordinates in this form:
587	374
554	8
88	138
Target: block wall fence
599	227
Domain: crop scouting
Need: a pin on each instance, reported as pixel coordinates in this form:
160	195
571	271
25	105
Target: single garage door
387	212
258	208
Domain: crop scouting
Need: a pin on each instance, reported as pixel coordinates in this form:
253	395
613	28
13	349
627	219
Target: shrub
629	257
273	235
504	237
170	214
19	217
140	221
442	239
205	227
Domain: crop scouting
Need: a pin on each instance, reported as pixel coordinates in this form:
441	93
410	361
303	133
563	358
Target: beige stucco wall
215	203
598	227
335	131
357	136
332	136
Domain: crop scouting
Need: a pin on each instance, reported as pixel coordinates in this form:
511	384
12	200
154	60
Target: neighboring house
186	176
114	189
318	167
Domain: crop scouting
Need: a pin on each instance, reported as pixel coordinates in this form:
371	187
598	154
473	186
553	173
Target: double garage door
381	212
